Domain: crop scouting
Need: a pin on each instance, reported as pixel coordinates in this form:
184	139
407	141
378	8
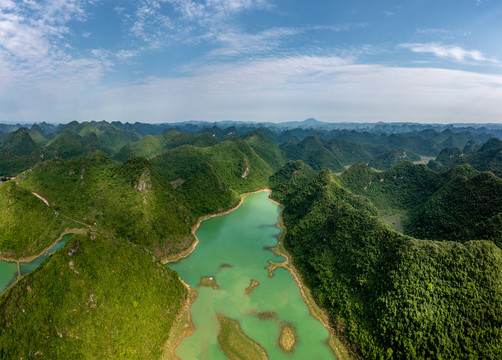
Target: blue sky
251	60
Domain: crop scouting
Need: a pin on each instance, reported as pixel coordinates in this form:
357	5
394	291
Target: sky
251	60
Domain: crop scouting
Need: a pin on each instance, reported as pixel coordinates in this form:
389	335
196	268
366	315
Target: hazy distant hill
392	158
487	157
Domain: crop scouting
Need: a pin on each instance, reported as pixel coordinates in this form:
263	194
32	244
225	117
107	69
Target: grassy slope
391	295
28	225
97	298
236	163
236	344
267	150
488	157
131	202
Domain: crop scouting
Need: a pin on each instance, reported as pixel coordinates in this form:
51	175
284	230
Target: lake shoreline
30	258
188	326
315	310
182	325
186	253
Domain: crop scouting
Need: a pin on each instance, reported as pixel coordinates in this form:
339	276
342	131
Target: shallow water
8	270
240	239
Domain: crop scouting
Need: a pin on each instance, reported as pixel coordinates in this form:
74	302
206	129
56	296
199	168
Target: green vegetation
487	158
459	204
97	298
267	150
208	281
321	154
389	295
12	165
28	225
235	343
292	176
70	146
392	158
18	143
212	177
152	145
463	209
130	201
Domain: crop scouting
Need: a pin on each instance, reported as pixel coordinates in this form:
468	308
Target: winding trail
41	198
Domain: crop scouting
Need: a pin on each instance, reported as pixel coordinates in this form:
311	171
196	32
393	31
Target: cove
8	270
233	249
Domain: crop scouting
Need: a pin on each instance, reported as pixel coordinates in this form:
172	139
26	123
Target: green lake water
233	250
8	270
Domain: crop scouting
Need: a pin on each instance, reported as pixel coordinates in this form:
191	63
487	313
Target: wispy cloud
159	22
450	52
283	88
329	88
235	42
34	46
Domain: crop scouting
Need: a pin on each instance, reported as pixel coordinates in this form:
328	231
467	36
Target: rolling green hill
131	201
321	154
96	298
237	164
70	146
18	143
153	145
487	157
28	225
392	158
463	209
459	204
266	149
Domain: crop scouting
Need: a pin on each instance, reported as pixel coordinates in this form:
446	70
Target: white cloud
277	89
451	52
126	54
34	46
387	13
158	22
7	4
234	42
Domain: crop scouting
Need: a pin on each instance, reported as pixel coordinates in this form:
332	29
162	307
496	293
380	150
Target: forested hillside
321	145
389	295
97	298
459	204
487	157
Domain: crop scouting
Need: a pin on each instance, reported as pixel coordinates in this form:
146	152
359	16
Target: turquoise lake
234	249
8	270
